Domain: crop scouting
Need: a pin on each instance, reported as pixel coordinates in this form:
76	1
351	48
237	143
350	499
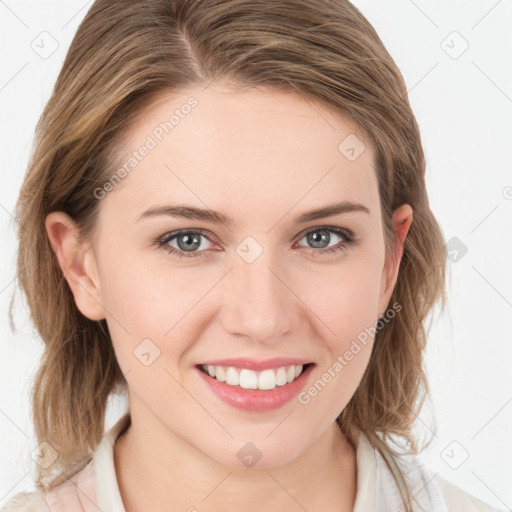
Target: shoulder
26	502
76	493
429	489
458	500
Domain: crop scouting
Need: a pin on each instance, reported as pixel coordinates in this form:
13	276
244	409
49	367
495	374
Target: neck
322	478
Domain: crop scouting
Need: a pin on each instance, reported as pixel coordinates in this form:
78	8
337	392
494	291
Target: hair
125	55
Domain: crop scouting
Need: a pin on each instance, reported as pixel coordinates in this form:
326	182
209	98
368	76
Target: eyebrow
191	212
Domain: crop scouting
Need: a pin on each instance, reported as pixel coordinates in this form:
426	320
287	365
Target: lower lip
257	400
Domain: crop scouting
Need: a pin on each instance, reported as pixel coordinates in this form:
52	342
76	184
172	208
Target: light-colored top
95	487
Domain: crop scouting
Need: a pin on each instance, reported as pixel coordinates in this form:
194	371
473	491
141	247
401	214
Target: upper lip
254	364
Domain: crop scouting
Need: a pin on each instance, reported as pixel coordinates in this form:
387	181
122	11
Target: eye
319	236
189	242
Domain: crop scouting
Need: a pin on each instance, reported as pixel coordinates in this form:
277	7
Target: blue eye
187	240
321	235
191	239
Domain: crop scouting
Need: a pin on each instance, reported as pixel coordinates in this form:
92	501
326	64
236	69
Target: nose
258	302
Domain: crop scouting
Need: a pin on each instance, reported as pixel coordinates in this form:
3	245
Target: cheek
147	297
346	298
148	302
349	309
347	303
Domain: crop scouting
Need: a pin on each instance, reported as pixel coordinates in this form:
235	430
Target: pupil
318	239
191	242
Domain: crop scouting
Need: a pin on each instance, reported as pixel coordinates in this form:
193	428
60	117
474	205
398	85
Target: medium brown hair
123	56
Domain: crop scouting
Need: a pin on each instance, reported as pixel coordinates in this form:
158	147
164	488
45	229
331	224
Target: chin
263	454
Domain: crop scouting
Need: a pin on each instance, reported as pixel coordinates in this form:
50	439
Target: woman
226	204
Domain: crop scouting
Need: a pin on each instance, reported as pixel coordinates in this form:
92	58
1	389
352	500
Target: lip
256	400
254	364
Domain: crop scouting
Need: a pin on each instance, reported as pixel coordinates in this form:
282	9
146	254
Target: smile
251	379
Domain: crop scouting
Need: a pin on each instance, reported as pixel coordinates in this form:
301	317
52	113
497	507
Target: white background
463	104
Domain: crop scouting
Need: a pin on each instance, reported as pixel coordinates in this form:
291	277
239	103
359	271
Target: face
265	290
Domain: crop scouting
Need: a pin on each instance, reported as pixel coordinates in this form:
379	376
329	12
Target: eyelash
347	235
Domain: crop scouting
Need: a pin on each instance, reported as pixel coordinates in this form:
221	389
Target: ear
402	220
78	264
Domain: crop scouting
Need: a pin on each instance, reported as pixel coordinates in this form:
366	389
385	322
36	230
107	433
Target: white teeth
250	379
232	377
219	373
281	377
267	380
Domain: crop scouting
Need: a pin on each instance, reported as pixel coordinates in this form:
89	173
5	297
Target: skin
261	157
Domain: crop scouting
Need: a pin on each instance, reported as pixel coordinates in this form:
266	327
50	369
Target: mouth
246	378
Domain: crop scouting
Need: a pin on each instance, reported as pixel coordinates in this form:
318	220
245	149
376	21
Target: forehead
256	147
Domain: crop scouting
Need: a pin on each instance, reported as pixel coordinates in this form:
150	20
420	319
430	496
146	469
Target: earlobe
402	220
77	263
